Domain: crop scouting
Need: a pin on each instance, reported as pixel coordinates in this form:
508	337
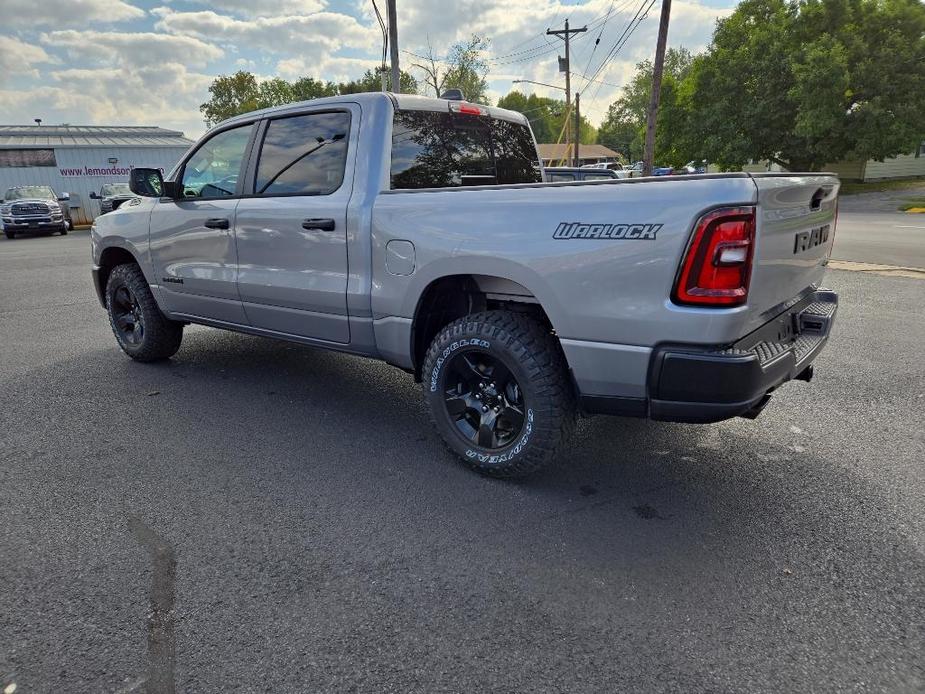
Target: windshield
26	192
115	189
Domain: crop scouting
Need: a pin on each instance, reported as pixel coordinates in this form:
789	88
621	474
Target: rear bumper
696	383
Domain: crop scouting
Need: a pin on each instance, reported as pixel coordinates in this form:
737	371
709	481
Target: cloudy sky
120	62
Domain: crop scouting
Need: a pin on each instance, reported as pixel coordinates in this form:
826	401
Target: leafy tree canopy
546	116
241	92
463	68
371	82
623	129
808	82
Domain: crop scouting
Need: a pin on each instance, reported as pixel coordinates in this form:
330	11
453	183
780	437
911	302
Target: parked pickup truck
112	196
419	231
34	208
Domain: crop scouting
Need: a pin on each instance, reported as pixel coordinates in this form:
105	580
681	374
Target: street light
542	84
551	86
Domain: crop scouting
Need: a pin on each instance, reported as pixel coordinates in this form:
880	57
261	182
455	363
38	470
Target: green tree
546	116
370	82
241	92
306	88
464	68
807	82
230	96
623	129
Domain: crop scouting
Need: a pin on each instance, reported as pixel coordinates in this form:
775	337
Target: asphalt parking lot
313	534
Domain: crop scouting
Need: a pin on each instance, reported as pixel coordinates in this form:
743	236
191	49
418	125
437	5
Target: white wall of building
82	170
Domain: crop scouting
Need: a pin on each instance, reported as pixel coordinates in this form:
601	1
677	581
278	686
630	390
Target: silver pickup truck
419	231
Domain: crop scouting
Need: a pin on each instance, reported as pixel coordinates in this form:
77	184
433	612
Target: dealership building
79	159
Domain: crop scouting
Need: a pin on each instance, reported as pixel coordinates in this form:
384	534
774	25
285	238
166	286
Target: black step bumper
704	384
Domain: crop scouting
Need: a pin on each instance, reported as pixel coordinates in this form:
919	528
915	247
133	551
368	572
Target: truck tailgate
795	232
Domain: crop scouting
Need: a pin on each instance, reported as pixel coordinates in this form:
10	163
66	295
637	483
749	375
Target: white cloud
60	13
314	36
18	58
131	49
266	8
167	97
329	69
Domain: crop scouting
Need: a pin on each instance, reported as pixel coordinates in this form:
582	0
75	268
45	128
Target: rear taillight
718	263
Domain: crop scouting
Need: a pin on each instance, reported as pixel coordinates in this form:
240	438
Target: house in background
903	166
552	154
910	165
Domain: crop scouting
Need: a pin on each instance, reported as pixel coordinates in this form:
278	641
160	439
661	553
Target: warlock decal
580	230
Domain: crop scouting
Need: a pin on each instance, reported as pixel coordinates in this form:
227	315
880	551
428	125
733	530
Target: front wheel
142	331
9	234
499	393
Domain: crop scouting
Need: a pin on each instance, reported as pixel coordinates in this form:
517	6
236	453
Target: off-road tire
9	234
64	230
535	359
161	336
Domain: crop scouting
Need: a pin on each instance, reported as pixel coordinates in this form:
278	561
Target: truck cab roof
404	102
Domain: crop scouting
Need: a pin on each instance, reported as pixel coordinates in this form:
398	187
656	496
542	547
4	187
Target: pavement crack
161	617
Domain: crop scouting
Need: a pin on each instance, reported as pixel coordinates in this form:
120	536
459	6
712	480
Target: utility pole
566	67
393	45
657	69
577	127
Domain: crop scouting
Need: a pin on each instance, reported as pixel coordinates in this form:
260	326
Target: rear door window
303	155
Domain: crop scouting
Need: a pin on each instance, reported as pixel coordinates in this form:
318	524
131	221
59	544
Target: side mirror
64	197
95	196
147	183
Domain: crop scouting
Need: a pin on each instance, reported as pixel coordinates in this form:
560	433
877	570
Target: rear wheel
142	331
498	389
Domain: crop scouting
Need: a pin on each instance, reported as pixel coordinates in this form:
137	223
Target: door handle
320	224
217	223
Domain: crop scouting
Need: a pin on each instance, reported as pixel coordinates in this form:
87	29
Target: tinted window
515	153
213	170
115	189
552	177
440	150
598	176
303	155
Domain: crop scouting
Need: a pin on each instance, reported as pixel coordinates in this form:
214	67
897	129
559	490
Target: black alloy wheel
483	399
498	388
128	318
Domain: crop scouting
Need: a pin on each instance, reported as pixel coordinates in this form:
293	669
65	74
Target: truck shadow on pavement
314	486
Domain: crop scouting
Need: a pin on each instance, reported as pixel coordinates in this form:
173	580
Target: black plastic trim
613	405
695	383
97	285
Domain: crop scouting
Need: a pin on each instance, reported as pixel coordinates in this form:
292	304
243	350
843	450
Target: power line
631	27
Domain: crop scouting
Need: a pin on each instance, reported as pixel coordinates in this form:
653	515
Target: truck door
291	227
192	241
